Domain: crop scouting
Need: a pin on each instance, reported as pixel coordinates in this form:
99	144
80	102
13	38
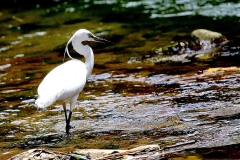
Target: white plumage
65	82
62	83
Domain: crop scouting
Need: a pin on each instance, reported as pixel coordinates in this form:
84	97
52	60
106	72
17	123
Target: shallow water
133	96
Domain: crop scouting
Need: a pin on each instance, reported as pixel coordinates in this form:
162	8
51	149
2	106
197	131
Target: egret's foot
68	134
67	137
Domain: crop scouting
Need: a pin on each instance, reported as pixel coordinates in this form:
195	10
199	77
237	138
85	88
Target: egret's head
85	35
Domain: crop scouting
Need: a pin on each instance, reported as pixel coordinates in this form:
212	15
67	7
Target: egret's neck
87	52
89	61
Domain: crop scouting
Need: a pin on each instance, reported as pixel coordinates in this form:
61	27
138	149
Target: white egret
65	82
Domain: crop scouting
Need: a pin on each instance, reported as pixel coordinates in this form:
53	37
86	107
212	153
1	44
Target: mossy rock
204	34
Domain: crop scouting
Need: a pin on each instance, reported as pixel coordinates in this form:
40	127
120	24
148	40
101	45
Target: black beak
98	39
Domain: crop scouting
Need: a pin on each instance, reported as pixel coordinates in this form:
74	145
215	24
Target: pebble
3	67
19	122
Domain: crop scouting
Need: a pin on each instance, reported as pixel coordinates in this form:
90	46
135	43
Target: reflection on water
133	93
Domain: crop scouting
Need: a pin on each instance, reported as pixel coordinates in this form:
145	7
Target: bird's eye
90	35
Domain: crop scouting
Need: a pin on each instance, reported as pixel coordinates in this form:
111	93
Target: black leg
68	122
65	112
67	119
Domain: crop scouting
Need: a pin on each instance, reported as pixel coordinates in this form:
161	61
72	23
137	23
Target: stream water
135	96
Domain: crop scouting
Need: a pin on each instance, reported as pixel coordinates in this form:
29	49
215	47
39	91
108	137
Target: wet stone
3	67
100	77
12	110
19	122
28	101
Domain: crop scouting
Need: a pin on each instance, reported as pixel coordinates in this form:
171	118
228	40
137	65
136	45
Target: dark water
133	97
